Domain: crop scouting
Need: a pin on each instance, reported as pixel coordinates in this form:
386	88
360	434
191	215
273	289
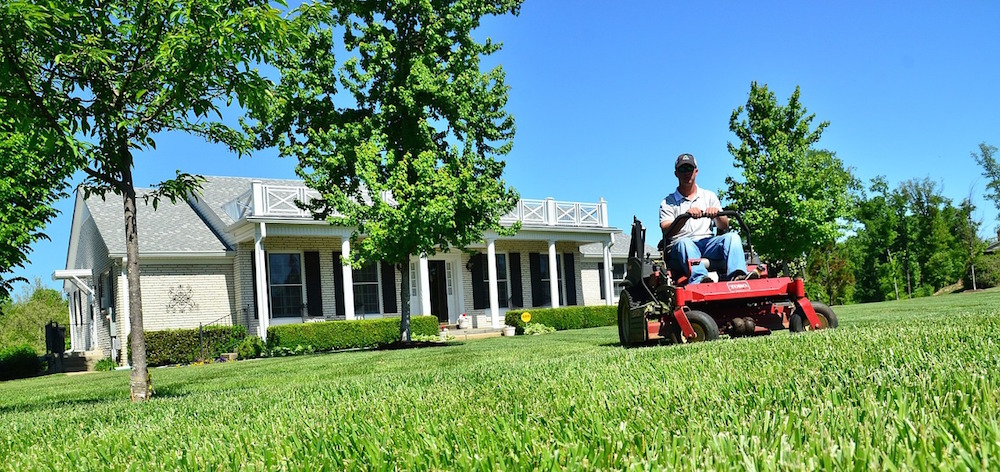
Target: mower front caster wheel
799	323
705	328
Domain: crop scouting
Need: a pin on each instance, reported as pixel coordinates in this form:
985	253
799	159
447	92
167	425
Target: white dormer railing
550	212
278	201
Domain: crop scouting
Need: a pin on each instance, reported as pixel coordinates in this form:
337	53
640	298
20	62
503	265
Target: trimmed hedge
19	362
181	346
333	335
569	317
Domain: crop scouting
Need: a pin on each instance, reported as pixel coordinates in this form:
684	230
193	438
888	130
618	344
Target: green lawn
905	384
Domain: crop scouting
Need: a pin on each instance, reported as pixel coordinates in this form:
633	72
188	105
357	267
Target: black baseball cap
685	159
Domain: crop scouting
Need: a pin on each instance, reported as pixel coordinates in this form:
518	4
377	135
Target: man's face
686	174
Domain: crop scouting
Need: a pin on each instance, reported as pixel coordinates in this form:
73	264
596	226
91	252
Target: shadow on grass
53	403
413	345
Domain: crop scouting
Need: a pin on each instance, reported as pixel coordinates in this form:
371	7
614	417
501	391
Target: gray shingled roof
172	228
618	250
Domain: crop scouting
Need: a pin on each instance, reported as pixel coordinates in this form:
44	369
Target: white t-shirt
695	228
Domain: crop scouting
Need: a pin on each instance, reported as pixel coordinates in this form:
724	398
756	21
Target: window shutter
539	293
516	292
600	274
570	277
478	284
338	283
314	284
388	288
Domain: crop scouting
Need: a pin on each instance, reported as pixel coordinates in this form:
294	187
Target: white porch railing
550	212
264	200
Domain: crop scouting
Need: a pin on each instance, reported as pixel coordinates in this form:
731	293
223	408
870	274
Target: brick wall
184	295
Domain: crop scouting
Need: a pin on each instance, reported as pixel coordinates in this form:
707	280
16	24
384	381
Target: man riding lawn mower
679	297
658	304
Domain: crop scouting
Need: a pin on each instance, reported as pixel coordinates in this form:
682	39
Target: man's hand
708	212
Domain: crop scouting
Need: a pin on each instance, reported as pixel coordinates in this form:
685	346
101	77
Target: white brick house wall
183	295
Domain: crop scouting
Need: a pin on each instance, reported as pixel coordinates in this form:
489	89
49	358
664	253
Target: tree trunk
139	383
404	301
895	286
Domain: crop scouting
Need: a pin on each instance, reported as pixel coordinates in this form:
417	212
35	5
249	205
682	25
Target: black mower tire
705	327
623	311
827	319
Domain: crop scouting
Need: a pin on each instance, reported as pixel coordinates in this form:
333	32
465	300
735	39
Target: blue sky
607	94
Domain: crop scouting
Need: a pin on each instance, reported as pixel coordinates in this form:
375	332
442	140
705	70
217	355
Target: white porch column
553	275
425	287
126	316
260	281
609	284
345	248
491	265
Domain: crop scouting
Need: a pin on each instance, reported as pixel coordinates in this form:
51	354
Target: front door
438	281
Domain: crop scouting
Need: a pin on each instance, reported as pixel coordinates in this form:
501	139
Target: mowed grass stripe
902	384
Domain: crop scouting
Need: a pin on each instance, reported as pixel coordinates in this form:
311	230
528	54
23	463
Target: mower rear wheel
705	327
799	322
623	312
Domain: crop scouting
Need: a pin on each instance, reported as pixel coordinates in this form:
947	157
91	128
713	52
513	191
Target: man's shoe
738	275
752	275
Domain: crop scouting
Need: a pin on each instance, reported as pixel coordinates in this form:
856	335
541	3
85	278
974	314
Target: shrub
332	335
104	365
251	347
19	362
570	317
538	328
181	346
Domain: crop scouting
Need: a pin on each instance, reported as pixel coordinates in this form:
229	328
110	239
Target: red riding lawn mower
657	306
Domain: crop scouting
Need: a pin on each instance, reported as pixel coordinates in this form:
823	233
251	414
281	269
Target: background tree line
904	242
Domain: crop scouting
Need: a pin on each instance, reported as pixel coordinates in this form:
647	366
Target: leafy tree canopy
34	166
794	197
403	140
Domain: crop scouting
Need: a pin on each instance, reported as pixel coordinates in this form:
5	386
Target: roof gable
171	228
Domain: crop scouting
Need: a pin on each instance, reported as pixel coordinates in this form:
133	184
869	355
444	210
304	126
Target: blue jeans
728	247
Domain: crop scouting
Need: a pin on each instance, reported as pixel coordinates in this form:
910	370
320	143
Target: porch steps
81	361
473	333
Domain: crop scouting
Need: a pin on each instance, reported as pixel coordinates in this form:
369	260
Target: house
994	246
242	252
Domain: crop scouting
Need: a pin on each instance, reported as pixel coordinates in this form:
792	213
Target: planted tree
794	197
103	77
991	170
404	140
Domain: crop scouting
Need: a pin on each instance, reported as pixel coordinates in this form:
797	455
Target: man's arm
721	222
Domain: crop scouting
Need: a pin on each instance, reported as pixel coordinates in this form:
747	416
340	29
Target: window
366	290
617	276
502	293
104	290
285	276
543	270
